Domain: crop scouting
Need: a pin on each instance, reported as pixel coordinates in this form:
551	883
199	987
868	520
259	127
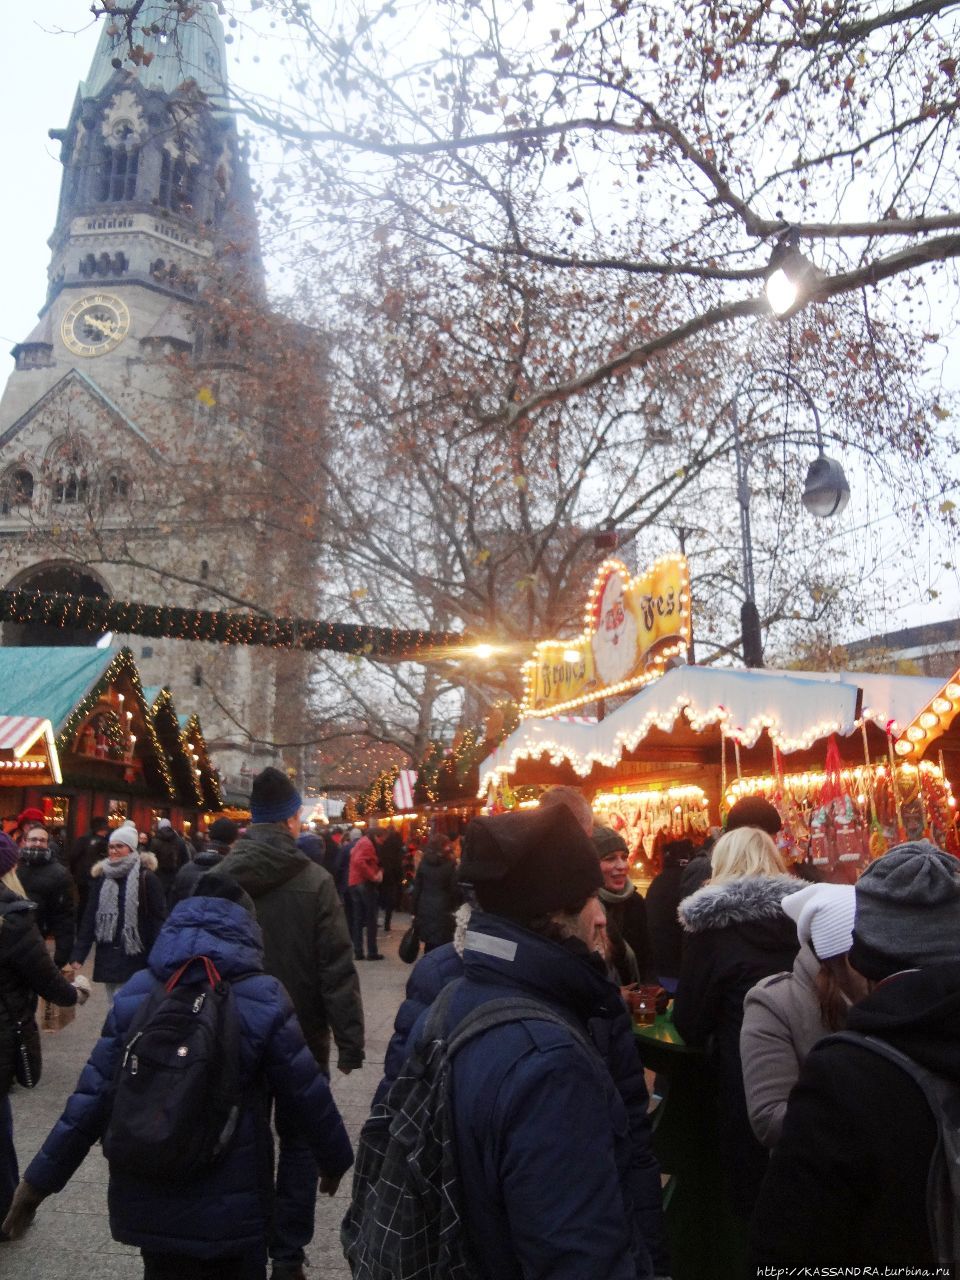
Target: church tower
124	456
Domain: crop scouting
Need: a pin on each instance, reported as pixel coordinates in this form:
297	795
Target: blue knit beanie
273	797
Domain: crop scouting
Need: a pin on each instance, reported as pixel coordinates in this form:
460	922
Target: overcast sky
46	51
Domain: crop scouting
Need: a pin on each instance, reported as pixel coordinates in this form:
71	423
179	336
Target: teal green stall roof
50	682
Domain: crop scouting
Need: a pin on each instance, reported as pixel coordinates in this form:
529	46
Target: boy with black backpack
177	1087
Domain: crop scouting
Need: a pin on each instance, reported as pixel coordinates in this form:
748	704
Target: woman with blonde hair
735	933
745	852
26	971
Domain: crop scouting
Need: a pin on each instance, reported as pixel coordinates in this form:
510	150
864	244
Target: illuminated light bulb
952	690
942	706
929	720
915	733
861	799
952	801
903	748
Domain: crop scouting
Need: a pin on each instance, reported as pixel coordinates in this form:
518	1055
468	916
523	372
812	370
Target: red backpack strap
213	977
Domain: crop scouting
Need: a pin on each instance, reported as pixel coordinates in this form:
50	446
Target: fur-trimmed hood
748	900
147	861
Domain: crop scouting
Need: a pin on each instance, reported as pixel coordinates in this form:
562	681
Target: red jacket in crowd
364	863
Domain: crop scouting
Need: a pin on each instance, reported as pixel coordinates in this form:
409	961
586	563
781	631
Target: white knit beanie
823	914
126	834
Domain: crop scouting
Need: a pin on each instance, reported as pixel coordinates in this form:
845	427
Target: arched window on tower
177	183
16	492
118	170
118	485
70	480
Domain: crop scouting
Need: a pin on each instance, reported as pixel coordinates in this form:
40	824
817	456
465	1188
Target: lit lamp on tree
825	493
791	279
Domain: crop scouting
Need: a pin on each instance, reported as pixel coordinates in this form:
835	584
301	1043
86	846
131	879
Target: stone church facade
125	448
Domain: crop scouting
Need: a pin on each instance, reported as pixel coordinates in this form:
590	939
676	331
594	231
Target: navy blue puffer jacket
553	1147
225	1211
427	979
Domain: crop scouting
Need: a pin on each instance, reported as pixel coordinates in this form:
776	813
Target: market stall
195	780
28	752
854	761
111	762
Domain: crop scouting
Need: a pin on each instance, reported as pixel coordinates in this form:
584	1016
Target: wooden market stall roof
689	711
28	752
65	684
167	726
208	779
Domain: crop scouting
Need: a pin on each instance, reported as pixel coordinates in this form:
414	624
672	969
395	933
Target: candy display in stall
842	818
648	819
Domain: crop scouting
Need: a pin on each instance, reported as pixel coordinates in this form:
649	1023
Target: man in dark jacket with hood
306	945
85	854
170	850
847	1183
555	1184
222	836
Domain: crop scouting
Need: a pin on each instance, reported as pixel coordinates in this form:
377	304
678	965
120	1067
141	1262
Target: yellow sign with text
633	627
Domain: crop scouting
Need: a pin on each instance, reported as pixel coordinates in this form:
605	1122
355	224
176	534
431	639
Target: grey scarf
613	899
108	908
35	857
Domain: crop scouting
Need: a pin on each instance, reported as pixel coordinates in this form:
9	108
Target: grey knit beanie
908	911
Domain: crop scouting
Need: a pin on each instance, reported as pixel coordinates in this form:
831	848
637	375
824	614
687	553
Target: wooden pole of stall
948	789
868	773
895	788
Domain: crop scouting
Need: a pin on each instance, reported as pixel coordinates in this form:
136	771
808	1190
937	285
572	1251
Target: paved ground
70	1237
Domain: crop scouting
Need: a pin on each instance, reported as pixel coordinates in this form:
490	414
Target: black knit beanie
223	831
908	911
754	811
218	884
273	797
530	863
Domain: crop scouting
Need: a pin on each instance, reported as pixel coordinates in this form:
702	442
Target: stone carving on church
104	264
123	120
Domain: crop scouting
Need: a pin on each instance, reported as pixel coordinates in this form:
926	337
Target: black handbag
409	948
27	1057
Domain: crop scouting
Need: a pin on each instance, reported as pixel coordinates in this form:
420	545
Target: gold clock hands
107	327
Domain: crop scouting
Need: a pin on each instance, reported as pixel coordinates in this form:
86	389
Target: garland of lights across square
100	614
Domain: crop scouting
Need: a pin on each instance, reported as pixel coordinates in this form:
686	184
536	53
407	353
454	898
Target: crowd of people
529	929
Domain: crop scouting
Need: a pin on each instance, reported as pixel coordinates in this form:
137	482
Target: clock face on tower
95	324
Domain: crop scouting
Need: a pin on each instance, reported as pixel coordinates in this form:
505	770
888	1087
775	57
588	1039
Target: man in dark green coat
307	946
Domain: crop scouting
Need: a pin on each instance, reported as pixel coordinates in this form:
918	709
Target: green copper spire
182	51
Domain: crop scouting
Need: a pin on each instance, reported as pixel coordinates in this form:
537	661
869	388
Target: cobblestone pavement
70	1237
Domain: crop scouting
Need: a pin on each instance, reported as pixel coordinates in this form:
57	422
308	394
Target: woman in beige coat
785	1015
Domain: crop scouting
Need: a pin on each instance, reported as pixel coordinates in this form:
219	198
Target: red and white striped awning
28	751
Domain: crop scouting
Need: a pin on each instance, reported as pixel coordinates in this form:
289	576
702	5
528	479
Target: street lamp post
825	493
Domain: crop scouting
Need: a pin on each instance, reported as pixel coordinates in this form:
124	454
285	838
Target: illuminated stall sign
633	626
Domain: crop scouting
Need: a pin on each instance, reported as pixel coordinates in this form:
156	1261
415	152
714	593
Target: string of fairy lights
444	773
100	614
168	730
121	664
191	742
